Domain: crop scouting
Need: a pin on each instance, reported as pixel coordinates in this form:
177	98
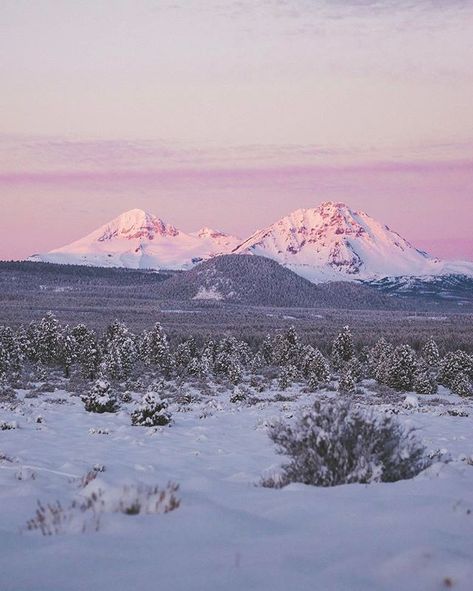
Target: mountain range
323	244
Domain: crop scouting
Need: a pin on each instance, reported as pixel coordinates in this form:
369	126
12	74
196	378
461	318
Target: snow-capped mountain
332	242
139	240
327	243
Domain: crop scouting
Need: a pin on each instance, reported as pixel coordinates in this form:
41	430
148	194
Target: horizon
232	113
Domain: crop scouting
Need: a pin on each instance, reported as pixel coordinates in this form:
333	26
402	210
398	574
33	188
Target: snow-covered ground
228	533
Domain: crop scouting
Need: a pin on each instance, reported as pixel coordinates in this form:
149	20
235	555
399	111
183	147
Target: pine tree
155	348
234	370
101	398
424	379
67	350
44	338
400	368
461	385
346	384
315	366
267	349
88	353
10	355
430	352
287	376
342	347
377	357
453	364
120	351
184	353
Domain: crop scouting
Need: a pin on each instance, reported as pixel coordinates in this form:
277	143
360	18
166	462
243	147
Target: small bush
152	412
334	443
85	514
101	398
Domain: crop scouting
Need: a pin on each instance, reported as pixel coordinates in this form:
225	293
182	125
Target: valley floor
229	533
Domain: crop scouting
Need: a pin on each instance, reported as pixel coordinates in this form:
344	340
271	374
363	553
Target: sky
232	113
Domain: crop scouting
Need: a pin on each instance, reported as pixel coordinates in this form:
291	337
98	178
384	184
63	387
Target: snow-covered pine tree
346	383
88	353
342	347
152	411
45	340
376	358
185	352
462	385
10	355
400	368
120	351
430	352
234	369
258	362
424	379
267	349
67	350
315	366
155	348
453	364
288	374
356	369
101	398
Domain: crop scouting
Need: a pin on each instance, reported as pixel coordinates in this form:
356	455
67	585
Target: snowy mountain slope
139	240
333	243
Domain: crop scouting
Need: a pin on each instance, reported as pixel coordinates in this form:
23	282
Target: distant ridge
259	281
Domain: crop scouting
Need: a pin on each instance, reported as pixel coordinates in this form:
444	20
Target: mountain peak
333	242
136	224
207	232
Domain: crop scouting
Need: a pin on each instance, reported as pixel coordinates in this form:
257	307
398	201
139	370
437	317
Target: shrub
152	412
85	513
335	443
101	398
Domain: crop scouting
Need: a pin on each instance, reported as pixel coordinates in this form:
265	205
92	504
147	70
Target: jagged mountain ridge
139	240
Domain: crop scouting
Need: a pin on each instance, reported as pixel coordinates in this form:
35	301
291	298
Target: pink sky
232	113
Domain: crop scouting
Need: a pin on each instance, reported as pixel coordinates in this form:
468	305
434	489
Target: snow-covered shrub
237	395
85	513
101	398
335	443
5	426
143	499
152	412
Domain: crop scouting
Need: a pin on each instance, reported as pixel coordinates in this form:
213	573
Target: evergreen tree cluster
119	354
